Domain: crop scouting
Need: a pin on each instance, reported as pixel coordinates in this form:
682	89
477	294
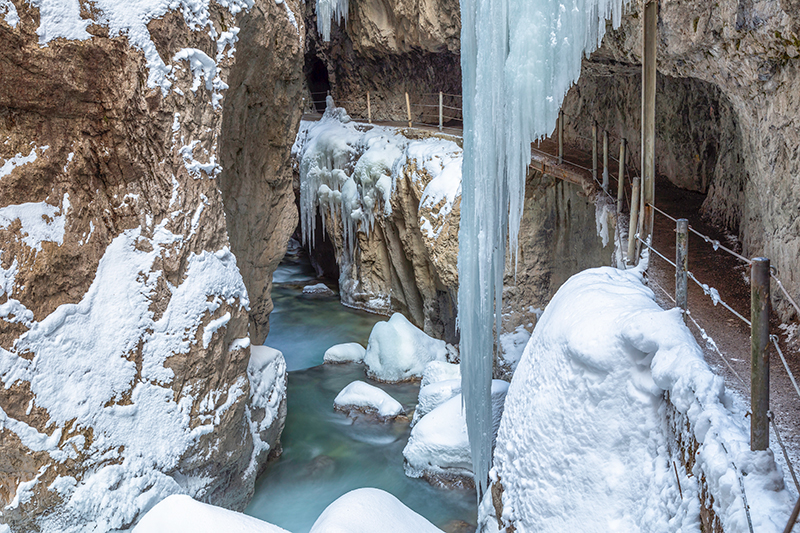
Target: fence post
594	150
605	160
621	181
682	264
369	109
440	111
759	353
634	221
408	108
560	137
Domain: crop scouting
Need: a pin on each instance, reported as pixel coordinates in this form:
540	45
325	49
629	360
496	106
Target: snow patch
362	396
40	222
19	159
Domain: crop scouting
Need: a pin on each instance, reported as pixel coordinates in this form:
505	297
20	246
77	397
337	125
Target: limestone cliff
124	343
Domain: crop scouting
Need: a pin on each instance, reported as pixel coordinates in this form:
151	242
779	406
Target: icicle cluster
518	59
326	11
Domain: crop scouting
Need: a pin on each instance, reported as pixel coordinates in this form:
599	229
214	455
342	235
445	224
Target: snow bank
361	396
349	352
398	350
182	514
369	511
438	444
597	456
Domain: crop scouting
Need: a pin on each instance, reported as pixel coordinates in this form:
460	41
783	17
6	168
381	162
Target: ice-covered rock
366	398
318	289
398	350
438	447
349	352
369	511
181	514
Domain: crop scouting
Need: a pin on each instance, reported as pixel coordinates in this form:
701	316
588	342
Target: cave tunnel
317	79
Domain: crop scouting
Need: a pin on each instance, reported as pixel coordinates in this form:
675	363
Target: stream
325	453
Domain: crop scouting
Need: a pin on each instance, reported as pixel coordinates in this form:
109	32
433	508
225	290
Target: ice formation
518	59
349	352
362	396
597	454
328	9
398	350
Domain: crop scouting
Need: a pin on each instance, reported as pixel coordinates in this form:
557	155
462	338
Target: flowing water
327	454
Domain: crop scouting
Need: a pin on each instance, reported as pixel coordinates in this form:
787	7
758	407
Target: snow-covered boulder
318	289
181	514
366	398
438	447
370	511
433	395
349	352
266	417
439	371
398	350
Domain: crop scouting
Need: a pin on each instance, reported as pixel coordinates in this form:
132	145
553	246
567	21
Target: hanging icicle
518	59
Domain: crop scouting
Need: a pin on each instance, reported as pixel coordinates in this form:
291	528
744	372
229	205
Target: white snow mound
438	443
433	395
398	350
181	514
320	289
349	352
368	511
368	398
439	371
583	444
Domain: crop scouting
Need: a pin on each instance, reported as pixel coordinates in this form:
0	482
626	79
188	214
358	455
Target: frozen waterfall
518	59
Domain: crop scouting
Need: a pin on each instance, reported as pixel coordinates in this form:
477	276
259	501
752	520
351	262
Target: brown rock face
123	314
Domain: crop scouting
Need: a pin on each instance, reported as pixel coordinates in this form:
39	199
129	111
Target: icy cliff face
124	343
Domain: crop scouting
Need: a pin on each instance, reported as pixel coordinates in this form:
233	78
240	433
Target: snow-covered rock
398	350
318	289
366	398
438	447
433	395
349	352
583	444
369	511
266	412
439	371
181	514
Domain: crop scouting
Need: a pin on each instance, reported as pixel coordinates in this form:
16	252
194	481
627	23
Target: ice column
326	10
518	59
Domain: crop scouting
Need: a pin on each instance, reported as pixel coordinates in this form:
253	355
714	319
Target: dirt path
731	277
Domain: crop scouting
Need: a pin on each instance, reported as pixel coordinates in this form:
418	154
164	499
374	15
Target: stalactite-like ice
518	59
326	10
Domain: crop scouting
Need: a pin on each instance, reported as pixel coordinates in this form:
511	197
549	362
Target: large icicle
518	59
326	10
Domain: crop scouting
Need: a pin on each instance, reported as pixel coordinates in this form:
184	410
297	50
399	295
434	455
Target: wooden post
634	222
621	182
303	107
408	108
792	517
682	264
649	114
369	109
759	353
594	150
440	111
560	137
605	160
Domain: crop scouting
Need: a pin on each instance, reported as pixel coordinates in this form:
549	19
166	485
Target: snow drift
584	442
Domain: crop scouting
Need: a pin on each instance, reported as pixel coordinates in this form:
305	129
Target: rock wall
124	341
749	53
